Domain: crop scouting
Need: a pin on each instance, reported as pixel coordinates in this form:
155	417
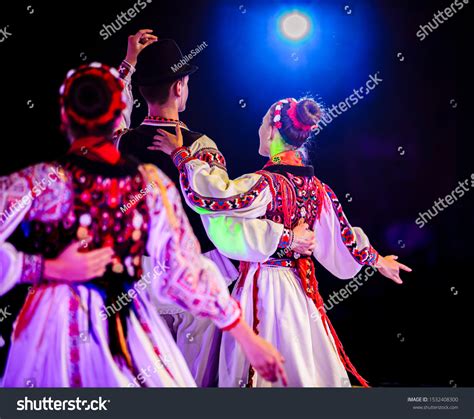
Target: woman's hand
137	43
389	267
167	142
73	266
266	360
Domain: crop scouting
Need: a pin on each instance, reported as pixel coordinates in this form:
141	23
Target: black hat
162	61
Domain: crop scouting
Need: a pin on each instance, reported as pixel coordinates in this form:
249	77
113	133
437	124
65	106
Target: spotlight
295	25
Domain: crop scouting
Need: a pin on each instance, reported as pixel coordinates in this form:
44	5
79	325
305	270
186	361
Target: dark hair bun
89	97
308	112
298	119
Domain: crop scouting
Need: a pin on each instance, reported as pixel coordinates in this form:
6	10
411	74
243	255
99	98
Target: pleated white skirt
289	320
57	346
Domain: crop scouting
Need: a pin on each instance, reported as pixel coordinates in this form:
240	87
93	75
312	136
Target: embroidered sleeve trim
212	156
366	256
243	200
181	156
126	71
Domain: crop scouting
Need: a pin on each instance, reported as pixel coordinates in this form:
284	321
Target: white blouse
341	248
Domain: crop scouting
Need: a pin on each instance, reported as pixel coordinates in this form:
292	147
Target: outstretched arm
205	183
345	249
248	239
232	222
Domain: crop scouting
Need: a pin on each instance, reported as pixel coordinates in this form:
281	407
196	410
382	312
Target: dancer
105	332
166	92
280	297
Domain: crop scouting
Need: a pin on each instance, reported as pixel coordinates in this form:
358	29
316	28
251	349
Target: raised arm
247	239
136	44
231	210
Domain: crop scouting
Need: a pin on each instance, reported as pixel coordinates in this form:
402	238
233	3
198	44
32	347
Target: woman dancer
280	296
99	328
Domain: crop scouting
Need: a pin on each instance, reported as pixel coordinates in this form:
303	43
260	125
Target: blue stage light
295	25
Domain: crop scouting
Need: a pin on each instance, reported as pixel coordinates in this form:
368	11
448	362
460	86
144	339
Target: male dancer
62	320
166	92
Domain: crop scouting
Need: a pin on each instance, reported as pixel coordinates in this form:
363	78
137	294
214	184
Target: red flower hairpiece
111	78
291	112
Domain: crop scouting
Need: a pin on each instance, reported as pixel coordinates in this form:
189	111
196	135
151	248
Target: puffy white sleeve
341	249
15	203
207	188
38	192
16	199
11	263
230	209
125	72
251	240
18	268
186	278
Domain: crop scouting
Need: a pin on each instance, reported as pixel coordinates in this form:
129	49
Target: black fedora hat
160	62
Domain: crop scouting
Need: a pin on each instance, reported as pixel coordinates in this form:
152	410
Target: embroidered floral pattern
239	201
212	156
180	156
307	205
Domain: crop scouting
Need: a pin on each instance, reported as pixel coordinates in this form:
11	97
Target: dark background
418	334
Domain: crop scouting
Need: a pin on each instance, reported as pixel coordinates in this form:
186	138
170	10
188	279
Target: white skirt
289	320
60	340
